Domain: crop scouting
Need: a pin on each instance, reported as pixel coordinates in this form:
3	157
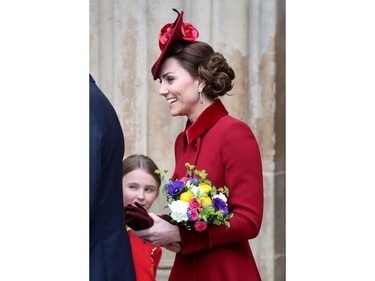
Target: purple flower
175	188
195	181
220	205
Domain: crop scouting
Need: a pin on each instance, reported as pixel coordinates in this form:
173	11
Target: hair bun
217	74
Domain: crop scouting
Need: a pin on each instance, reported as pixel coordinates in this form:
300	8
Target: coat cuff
193	241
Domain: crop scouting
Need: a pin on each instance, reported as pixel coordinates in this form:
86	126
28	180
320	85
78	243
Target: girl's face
139	186
180	90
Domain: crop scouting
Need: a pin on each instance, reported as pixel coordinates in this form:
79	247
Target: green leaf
189	166
229	216
162	173
224	190
227	224
164	190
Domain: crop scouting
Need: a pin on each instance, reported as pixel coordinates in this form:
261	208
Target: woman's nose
163	90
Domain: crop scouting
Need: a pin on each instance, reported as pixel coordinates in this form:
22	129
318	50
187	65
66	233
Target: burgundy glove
165	217
137	217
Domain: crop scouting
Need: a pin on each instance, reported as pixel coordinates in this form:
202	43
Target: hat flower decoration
169	34
188	32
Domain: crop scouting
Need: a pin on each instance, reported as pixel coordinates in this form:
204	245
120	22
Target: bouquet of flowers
195	202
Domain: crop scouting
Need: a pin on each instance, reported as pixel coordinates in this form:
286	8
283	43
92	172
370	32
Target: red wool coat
146	258
227	149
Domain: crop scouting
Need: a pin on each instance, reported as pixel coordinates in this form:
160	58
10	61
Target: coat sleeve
95	156
242	170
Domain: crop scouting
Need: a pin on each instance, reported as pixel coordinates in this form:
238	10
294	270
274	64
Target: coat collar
205	121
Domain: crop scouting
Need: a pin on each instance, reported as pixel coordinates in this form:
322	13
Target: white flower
221	196
179	210
197	191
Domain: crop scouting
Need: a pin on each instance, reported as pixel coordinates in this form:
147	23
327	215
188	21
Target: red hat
169	34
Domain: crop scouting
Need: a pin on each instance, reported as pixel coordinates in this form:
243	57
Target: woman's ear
201	84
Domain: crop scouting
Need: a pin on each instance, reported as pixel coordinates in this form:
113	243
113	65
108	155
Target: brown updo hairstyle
200	60
139	161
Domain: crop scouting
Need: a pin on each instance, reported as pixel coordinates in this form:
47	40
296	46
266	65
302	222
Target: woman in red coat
193	76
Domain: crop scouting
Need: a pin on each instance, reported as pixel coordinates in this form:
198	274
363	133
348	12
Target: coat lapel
205	121
194	132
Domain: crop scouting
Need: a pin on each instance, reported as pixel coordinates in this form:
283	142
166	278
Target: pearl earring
200	95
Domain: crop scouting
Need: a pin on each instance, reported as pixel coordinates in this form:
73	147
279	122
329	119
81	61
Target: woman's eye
170	79
132	187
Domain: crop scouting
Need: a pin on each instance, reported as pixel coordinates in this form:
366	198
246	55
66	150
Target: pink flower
189	32
200	226
194	204
194	214
184	179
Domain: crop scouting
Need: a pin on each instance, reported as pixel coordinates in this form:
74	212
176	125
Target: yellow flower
205	200
186	196
205	187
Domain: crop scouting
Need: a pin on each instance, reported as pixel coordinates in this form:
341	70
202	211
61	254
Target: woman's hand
162	233
173	247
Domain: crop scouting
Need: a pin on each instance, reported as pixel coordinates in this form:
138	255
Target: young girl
141	185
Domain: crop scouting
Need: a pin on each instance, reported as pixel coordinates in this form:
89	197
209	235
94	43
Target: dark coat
110	251
227	149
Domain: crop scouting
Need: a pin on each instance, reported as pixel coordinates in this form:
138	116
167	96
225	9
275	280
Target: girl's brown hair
139	161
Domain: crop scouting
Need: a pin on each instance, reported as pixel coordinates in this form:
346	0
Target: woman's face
180	89
139	186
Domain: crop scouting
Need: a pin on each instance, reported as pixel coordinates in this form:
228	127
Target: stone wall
251	35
